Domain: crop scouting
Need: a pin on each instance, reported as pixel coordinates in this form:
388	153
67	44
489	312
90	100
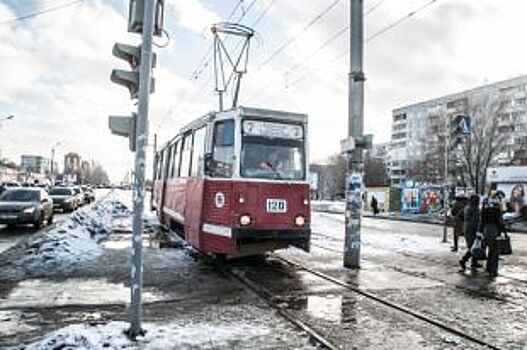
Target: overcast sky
55	68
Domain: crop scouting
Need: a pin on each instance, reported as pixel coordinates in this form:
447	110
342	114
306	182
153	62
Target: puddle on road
36	292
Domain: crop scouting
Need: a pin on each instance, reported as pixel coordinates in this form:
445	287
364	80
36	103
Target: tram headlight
245	220
300	220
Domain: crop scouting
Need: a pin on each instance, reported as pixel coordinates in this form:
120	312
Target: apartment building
418	135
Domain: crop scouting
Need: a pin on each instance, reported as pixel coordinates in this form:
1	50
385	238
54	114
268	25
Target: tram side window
174	171
159	169
185	155
166	165
223	149
197	152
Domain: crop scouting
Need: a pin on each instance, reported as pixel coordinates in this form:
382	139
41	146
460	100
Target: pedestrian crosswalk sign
463	127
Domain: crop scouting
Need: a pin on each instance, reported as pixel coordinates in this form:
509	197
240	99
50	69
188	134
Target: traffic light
136	15
124	126
130	79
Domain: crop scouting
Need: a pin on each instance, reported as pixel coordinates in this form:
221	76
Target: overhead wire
374	36
41	12
293	38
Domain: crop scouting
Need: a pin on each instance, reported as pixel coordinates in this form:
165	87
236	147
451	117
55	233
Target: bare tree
337	166
487	139
426	163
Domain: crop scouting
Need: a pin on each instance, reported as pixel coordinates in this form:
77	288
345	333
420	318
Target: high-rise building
72	163
418	137
35	164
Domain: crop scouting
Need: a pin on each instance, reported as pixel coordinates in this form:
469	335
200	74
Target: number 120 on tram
234	183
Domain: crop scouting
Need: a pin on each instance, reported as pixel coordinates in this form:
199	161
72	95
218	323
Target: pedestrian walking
374	205
491	224
470	227
458	215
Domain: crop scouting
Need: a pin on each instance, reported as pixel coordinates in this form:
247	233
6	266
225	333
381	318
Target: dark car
63	198
89	194
26	206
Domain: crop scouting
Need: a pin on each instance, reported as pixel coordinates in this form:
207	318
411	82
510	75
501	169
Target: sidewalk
338	208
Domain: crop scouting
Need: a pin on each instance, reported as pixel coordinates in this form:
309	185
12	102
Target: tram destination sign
272	130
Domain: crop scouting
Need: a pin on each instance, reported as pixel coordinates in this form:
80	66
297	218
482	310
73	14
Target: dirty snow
68	243
168	336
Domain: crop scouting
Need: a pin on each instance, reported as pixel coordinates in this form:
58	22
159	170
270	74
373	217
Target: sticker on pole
354	189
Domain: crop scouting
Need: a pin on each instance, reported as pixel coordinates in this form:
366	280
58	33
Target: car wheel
40	222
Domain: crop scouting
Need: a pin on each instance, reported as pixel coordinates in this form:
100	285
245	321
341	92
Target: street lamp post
52	170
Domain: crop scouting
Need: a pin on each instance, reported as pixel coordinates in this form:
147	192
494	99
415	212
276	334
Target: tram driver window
223	150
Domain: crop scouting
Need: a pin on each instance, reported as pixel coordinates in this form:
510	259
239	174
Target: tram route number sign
276	205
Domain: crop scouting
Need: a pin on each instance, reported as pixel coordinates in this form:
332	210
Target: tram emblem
219	199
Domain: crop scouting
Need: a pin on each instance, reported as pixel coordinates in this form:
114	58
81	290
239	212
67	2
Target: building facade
35	164
419	135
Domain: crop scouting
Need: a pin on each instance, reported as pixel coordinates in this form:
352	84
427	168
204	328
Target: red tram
234	183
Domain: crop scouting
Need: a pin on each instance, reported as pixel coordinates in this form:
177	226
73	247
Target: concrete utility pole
140	161
353	213
446	202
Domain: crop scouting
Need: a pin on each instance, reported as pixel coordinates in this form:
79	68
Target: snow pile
71	241
167	336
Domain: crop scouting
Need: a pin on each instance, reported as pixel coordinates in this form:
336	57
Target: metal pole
140	156
52	157
445	194
353	214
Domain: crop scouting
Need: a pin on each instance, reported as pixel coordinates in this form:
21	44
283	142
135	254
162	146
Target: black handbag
504	244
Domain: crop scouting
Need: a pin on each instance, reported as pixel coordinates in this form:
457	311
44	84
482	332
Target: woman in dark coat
458	217
491	224
470	227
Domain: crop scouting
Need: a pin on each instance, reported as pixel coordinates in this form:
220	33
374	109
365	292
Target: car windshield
273	154
60	192
20	196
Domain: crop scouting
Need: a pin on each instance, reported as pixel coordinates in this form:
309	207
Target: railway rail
390	304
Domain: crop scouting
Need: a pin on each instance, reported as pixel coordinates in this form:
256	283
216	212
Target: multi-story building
418	137
35	164
72	163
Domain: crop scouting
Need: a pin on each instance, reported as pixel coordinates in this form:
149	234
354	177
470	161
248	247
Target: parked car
80	195
64	198
89	194
26	206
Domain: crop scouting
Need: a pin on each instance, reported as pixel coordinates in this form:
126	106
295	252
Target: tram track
264	294
403	309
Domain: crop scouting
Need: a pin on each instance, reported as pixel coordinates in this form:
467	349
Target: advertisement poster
410	200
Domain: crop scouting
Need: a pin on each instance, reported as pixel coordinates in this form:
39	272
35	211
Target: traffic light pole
446	202
140	161
352	241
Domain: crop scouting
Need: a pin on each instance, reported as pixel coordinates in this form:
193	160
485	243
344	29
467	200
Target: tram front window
272	151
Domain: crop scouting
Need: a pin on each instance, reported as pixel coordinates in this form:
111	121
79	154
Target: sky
55	68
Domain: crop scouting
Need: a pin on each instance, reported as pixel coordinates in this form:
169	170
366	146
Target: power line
399	21
373	8
41	12
372	37
299	33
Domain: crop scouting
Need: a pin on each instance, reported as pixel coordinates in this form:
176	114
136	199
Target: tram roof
245	111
